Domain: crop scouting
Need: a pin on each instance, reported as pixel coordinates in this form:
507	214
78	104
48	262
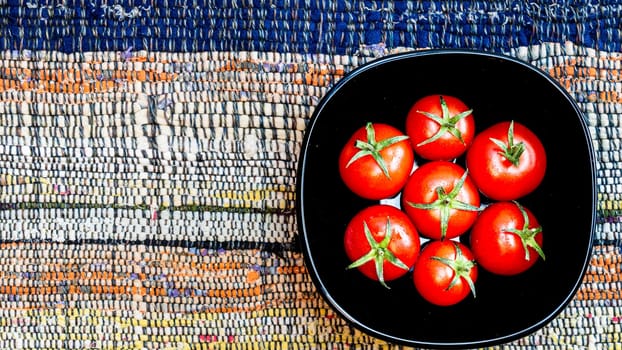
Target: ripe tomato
440	127
506	238
381	242
441	200
376	161
445	272
506	161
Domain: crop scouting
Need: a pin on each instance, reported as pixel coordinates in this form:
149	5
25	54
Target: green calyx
445	202
461	267
528	235
510	150
372	148
446	121
379	253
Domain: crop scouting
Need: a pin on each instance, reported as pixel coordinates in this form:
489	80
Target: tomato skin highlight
364	176
420	127
422	188
498	178
433	278
404	241
496	249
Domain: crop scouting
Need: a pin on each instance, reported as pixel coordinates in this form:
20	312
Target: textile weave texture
148	156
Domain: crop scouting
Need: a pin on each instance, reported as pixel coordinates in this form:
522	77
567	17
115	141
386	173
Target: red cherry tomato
441	200
376	161
506	239
506	161
445	272
381	242
440	127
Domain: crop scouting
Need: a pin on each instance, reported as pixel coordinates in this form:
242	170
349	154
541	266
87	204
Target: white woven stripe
107	224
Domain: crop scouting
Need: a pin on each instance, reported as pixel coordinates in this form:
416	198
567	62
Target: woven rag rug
148	157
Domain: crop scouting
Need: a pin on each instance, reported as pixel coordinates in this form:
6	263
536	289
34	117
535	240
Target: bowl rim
300	209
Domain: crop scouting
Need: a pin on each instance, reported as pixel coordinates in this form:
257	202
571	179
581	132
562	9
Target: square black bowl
497	88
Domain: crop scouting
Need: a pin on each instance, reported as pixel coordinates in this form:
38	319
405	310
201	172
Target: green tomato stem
510	150
461	267
379	253
446	121
528	235
372	148
445	202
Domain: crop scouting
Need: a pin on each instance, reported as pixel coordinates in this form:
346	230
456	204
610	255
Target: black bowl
497	88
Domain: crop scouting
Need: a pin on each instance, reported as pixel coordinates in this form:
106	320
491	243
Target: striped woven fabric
148	155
